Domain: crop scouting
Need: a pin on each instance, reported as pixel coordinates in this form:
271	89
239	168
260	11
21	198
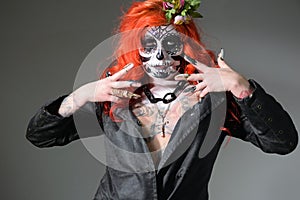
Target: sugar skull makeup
160	46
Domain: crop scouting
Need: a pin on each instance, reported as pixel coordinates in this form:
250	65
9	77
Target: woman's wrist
73	102
242	89
68	106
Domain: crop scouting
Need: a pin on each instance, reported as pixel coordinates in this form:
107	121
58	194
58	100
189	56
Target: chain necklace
169	97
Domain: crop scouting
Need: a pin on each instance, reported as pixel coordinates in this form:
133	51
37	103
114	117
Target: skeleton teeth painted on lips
160	71
160	44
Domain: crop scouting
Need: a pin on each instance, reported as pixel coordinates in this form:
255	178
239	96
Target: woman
156	106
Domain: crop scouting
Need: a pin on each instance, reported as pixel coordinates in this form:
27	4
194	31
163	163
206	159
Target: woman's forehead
160	32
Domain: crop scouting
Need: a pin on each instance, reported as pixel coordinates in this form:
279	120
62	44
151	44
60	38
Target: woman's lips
161	67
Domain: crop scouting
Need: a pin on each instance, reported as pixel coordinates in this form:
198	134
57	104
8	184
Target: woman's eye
149	45
170	43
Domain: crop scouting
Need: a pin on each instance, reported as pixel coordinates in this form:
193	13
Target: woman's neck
160	82
160	87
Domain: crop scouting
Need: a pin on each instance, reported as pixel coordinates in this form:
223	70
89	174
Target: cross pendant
163	128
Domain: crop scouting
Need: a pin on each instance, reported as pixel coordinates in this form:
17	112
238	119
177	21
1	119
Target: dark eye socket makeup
172	44
149	44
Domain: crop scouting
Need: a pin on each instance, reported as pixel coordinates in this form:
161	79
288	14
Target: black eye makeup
172	44
149	44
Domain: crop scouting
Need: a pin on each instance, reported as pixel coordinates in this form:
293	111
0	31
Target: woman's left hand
218	79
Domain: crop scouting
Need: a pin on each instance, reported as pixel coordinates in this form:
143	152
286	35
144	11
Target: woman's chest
158	120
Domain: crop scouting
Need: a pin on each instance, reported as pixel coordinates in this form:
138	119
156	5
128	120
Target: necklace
163	117
169	97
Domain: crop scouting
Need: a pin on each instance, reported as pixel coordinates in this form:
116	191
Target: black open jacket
186	165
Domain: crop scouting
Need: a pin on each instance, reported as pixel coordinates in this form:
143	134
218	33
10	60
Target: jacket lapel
192	124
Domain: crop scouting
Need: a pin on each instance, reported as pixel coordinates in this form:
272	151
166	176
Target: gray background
43	44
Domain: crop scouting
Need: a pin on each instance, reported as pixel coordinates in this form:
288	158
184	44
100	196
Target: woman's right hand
107	89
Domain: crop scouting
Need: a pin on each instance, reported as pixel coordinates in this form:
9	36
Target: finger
200	86
221	54
113	99
124	94
190	89
125	84
223	64
122	72
204	92
195	77
199	66
181	77
221	61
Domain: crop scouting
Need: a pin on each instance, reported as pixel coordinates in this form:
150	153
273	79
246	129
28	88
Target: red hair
134	22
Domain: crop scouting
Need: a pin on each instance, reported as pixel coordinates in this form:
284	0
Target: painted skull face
161	46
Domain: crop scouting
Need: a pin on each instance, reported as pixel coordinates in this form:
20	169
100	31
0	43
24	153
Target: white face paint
160	46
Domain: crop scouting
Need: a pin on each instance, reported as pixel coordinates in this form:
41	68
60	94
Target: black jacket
187	162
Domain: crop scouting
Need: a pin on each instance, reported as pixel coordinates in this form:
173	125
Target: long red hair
134	22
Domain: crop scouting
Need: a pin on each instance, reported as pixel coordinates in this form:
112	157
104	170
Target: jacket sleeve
265	123
47	128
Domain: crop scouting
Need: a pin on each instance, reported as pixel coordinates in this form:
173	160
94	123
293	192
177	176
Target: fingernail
190	60
221	54
190	89
181	77
107	74
136	96
128	66
135	84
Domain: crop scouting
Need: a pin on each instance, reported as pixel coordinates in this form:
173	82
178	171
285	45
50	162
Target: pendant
163	128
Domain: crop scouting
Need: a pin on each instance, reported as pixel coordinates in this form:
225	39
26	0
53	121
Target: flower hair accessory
183	10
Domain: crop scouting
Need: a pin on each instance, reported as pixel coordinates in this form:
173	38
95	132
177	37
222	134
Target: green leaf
195	15
169	16
195	3
188	10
